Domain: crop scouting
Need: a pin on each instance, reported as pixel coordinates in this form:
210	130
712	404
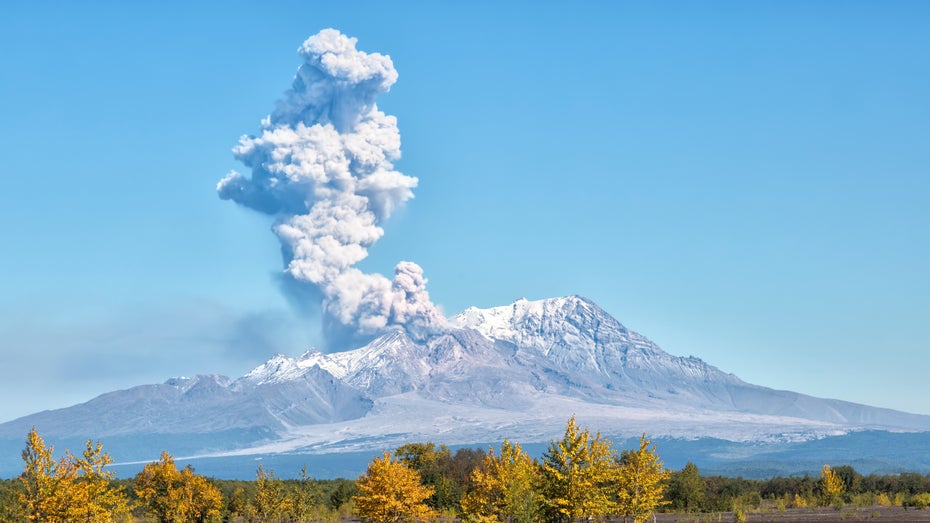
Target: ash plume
322	166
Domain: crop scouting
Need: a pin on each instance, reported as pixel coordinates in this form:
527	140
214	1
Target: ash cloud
323	167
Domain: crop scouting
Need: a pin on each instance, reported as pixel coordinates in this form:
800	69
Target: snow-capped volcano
516	371
573	336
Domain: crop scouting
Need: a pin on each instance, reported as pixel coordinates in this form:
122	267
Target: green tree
304	497
240	504
503	489
341	492
852	480
640	482
391	492
686	489
433	464
575	475
10	509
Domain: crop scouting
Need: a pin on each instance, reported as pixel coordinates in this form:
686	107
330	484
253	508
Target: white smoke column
323	166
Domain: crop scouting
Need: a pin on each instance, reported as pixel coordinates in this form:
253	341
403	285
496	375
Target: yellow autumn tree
40	498
93	497
640	482
391	492
70	490
575	475
177	496
271	503
503	489
202	501
831	485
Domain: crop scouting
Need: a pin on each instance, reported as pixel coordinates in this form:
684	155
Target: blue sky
746	182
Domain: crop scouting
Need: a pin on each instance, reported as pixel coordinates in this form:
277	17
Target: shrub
883	500
919	501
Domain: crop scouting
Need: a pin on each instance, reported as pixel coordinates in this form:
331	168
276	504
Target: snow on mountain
203	404
575	338
517	371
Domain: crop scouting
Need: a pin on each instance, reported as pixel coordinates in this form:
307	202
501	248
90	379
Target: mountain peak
524	322
278	368
513	370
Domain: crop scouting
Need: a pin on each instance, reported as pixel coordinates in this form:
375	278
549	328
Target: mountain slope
203	404
574	337
516	371
574	334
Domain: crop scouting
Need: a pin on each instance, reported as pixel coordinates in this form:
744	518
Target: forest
580	477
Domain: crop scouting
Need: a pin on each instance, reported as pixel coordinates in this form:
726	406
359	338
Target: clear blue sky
746	182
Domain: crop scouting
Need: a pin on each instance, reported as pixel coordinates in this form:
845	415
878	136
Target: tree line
839	487
581	476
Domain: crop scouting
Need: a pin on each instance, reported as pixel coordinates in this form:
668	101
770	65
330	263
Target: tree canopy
391	492
575	475
70	489
177	496
640	482
503	488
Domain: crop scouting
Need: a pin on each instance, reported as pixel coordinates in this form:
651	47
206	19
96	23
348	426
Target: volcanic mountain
517	372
